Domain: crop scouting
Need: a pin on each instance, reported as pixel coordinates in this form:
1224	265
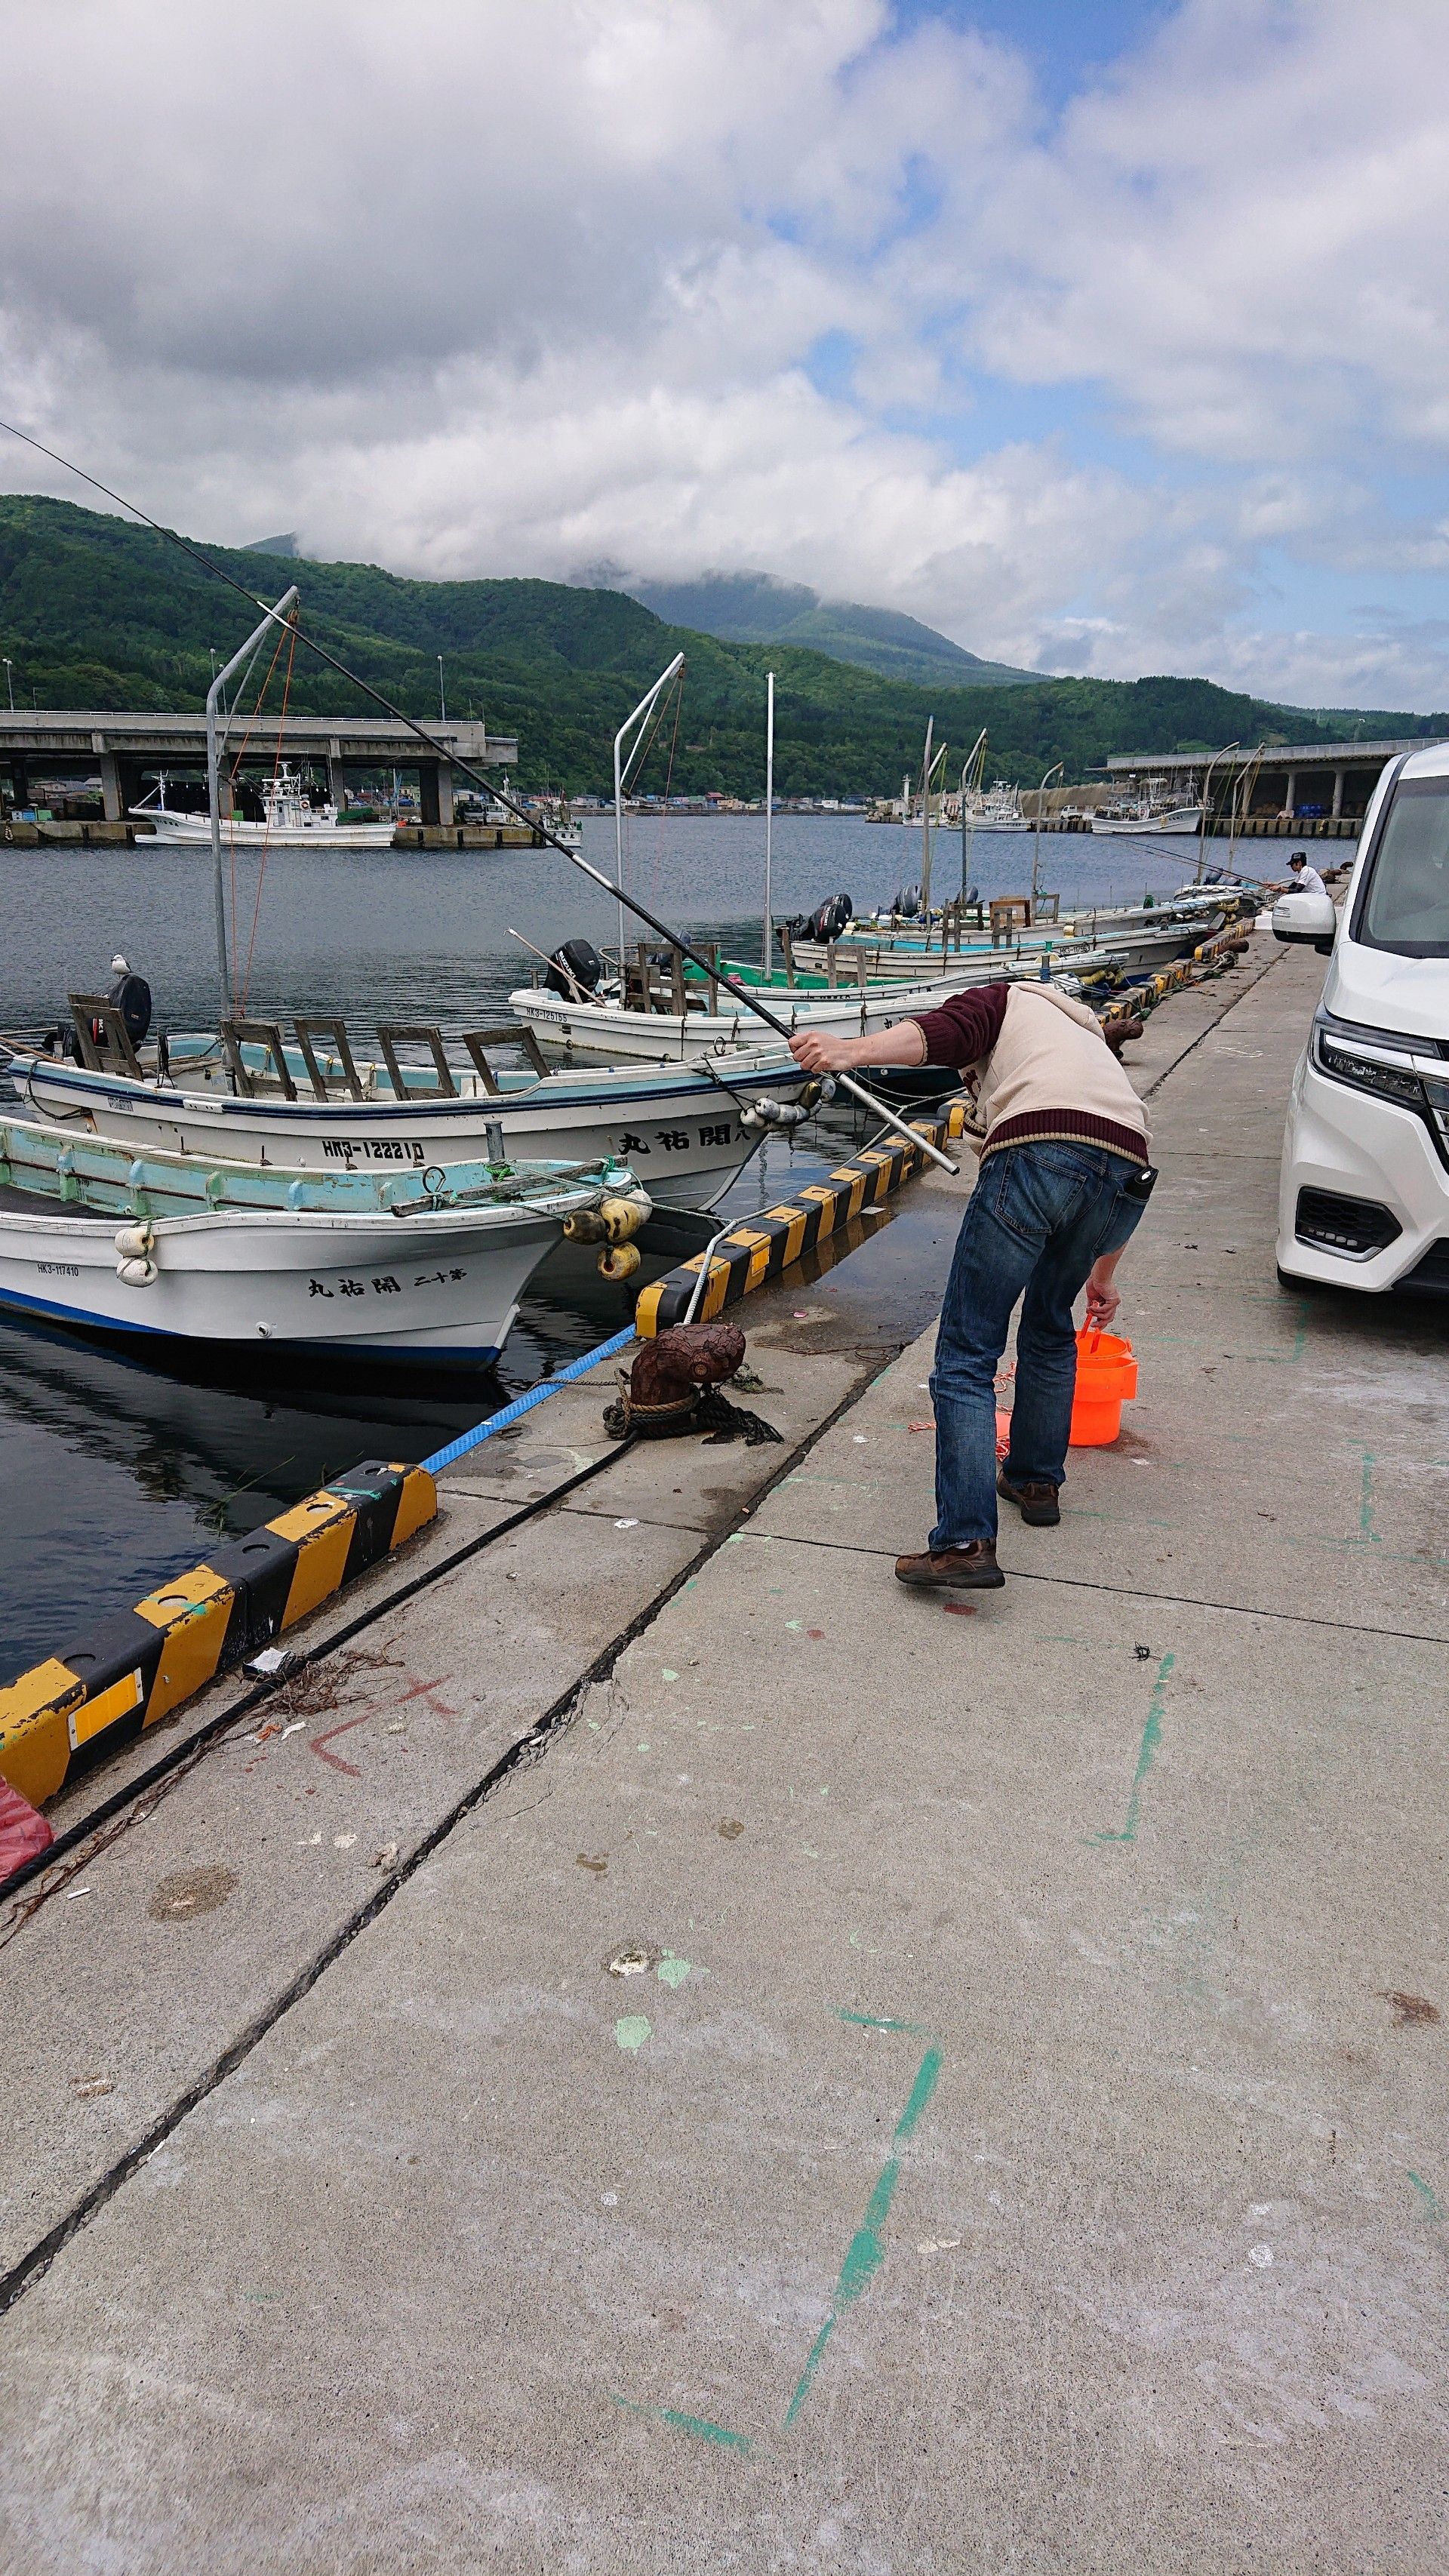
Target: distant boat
1152	814
288	817
998	809
560	822
553	811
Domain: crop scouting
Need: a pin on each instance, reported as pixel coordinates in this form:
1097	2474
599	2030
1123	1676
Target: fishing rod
576	859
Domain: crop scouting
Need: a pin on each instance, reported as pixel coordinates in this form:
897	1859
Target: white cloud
493	289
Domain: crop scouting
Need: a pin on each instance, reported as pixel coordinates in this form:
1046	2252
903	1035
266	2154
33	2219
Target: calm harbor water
117	1472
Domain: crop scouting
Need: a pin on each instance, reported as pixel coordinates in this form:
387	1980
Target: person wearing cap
1064	1176
1302	876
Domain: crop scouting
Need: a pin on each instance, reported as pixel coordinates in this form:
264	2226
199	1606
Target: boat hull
177	832
1179	825
680	1130
438	1290
599	1030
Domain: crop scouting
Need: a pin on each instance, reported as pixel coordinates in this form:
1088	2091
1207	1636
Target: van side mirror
1306	920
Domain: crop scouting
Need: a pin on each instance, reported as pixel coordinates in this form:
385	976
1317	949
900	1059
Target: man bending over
1064	1177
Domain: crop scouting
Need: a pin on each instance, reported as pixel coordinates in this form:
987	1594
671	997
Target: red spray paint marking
317	1742
425	1690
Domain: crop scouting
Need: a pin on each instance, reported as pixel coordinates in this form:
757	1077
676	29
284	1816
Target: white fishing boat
815	975
995	809
1152	815
1139	946
288	817
567	831
601	1026
309	1105
420	1266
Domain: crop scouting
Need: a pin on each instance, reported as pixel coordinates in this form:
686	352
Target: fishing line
575	858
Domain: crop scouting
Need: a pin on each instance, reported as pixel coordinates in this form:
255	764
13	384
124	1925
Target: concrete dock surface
887	2084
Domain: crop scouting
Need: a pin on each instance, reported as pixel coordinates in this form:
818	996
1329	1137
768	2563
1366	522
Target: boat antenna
738	992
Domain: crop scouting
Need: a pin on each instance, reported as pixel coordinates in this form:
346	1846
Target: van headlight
1377	1061
1346	1063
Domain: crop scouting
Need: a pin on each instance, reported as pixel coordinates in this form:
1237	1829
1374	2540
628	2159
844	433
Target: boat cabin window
1405	905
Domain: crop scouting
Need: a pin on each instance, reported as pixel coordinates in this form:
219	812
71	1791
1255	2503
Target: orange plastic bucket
1106	1380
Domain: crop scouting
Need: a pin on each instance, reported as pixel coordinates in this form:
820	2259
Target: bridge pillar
113	803
1337	793
1290	794
435	791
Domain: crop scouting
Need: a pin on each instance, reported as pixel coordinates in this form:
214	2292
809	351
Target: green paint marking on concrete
672	1971
865	2253
720	2434
1433	2205
1146	1751
879	2021
921	2091
631	2030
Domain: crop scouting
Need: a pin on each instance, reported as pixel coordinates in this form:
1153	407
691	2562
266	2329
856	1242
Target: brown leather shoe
956	1569
1037	1504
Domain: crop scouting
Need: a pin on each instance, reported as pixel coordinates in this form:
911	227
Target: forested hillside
97	613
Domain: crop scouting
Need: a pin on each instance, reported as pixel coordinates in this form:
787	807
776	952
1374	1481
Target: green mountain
97	613
754	608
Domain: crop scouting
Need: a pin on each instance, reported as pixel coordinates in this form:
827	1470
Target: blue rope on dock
522	1404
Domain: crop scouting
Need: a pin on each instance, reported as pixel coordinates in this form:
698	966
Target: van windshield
1406	908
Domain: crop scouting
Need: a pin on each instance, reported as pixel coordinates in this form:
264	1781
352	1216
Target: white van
1364	1191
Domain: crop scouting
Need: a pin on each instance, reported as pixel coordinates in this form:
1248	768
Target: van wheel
1296	1287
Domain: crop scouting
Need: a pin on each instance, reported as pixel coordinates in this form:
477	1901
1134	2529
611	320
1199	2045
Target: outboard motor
131	995
575	967
831	918
906	901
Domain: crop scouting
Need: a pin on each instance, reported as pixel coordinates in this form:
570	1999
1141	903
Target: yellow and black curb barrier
763	1246
1211	954
78	1708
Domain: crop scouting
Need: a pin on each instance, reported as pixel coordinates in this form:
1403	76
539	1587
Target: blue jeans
1040	1215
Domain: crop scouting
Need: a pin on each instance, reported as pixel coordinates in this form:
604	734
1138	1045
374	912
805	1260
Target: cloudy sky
1108	336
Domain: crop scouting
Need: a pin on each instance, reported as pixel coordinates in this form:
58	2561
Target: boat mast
1205	813
767	959
926	824
640	718
970	785
274	617
1056	767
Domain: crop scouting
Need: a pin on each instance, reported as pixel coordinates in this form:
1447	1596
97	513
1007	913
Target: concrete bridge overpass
119	756
1309	782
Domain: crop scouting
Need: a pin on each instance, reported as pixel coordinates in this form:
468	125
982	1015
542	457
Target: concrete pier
885	2086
